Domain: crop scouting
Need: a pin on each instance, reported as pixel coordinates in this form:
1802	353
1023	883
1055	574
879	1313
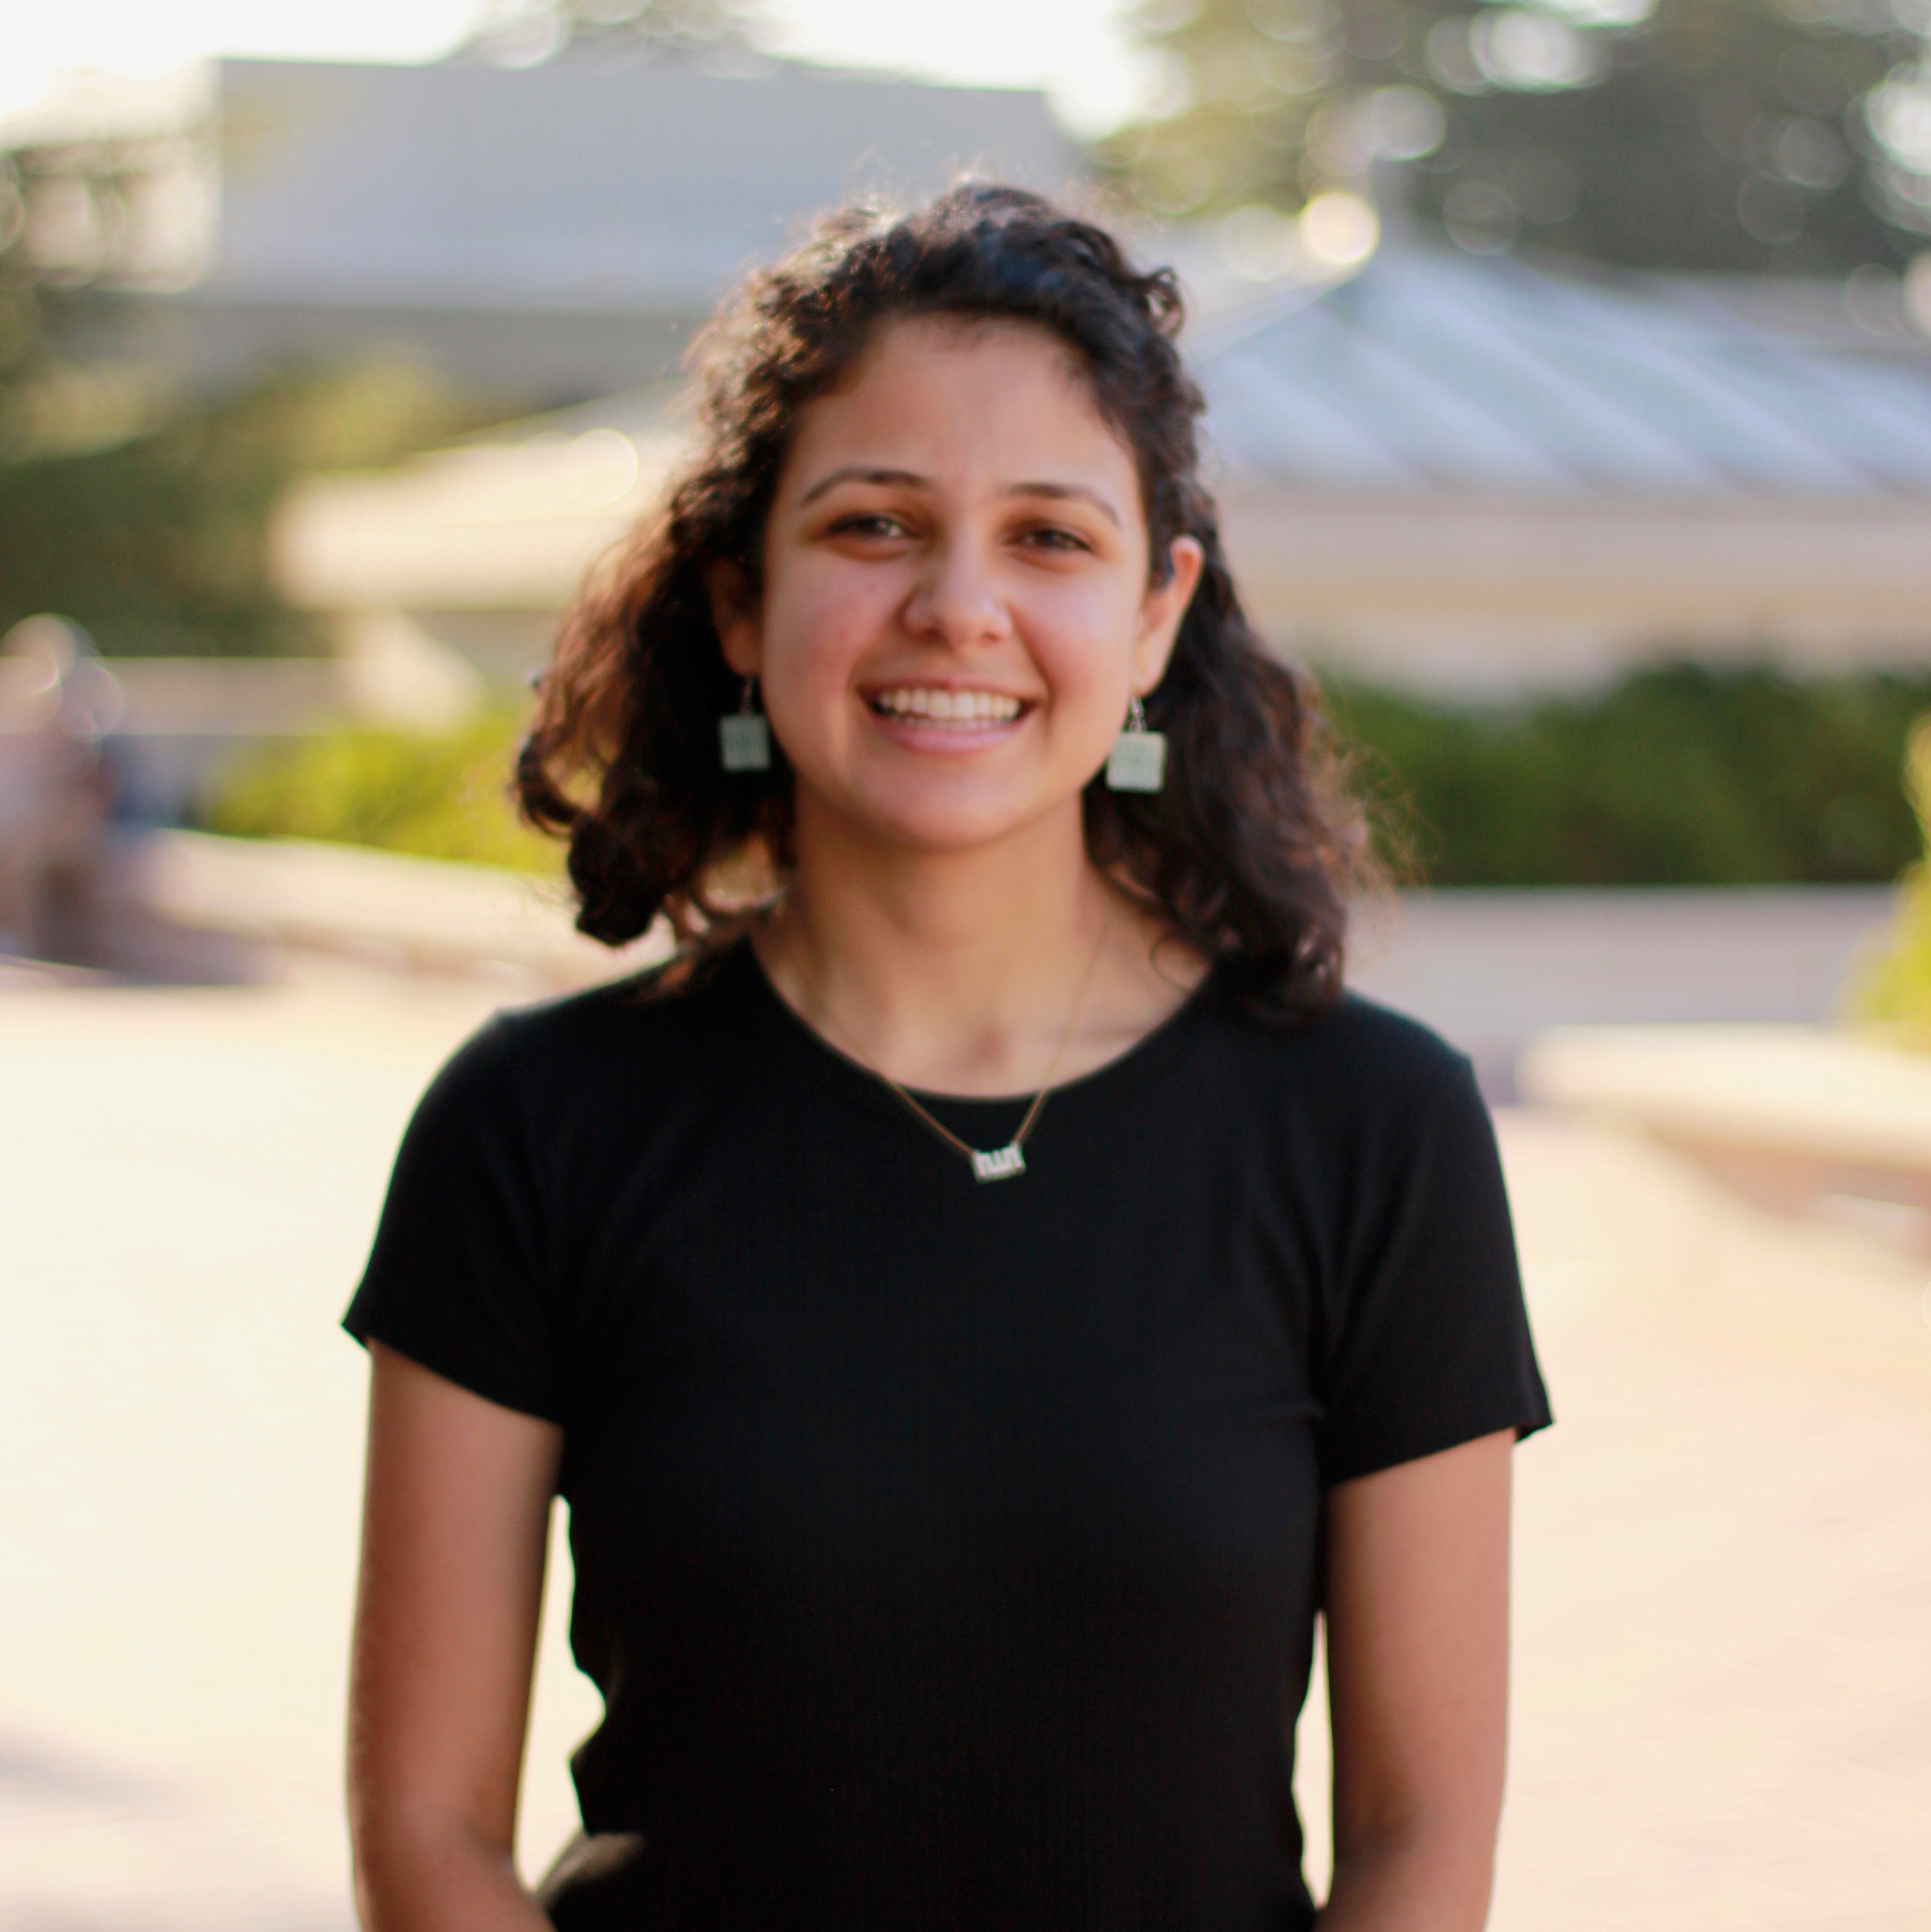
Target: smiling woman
994	1288
975	417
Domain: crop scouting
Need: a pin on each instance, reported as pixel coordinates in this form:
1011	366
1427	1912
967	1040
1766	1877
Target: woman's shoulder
1382	1052
1357	1076
637	1034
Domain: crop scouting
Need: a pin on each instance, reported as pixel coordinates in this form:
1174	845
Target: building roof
645	185
1432	372
1426	379
551	231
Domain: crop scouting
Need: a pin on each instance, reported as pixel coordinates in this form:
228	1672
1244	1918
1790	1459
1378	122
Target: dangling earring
1138	760
744	737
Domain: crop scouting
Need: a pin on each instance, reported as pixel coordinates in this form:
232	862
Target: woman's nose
956	601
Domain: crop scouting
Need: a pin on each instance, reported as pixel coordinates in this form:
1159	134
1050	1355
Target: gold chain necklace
987	1163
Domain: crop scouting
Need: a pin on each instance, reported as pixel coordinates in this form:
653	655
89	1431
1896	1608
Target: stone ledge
1802	1120
425	915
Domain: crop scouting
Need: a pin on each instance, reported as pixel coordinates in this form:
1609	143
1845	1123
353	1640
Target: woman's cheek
828	620
1084	650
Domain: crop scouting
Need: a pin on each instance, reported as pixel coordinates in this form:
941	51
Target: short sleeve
1431	1347
457	1279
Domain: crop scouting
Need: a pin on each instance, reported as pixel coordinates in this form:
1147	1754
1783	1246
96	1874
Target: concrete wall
1469	596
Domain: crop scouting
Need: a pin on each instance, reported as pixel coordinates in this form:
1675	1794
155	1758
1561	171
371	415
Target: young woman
986	1297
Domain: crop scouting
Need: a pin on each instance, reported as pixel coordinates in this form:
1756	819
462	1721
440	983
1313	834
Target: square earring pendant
1138	762
744	741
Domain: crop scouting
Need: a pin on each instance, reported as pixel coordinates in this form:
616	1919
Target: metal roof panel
1487	375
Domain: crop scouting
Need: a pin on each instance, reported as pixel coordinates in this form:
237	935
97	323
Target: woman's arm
1417	1608
455	1526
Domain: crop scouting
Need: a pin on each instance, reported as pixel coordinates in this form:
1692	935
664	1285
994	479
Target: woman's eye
873	524
1050	536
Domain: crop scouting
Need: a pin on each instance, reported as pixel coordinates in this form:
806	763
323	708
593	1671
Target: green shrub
443	797
1892	993
1679	776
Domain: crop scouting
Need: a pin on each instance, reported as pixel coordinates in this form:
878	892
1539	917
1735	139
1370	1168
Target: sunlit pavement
1723	1673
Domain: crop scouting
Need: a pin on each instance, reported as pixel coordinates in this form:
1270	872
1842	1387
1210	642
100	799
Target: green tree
1792	136
136	508
157	543
1892	992
522	32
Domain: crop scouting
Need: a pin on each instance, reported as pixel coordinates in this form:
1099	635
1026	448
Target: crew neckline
786	1027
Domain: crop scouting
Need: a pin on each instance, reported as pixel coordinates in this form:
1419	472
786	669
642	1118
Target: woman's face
957	604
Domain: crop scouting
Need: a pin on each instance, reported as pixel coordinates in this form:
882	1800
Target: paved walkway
1723	1682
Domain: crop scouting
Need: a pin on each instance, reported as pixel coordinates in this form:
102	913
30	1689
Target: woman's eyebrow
859	473
1063	492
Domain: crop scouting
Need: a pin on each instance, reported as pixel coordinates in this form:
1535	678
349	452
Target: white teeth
952	707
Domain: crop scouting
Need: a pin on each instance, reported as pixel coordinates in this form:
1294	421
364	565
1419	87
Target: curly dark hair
1250	853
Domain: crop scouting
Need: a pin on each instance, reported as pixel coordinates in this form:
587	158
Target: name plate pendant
998	1163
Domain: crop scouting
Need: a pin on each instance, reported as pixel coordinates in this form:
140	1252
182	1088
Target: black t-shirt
946	1551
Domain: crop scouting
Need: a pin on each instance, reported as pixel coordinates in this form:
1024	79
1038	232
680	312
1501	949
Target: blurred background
1569	373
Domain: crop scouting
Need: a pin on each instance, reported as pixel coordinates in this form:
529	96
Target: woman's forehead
961	387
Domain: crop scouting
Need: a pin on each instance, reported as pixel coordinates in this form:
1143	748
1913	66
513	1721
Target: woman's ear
734	617
1161	612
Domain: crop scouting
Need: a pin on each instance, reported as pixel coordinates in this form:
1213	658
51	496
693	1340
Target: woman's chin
947	816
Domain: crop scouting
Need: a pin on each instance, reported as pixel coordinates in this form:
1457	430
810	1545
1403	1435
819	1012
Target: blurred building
1451	473
541	234
551	231
1467	473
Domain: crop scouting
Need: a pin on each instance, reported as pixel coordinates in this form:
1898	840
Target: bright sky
1076	48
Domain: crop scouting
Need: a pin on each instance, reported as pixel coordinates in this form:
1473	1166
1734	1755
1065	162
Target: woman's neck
963	972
